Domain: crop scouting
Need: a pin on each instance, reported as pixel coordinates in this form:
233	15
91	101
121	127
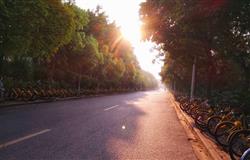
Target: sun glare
126	15
132	34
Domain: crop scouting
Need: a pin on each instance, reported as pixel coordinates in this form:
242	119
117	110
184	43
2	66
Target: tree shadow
80	129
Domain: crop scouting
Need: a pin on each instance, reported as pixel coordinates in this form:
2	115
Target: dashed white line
109	108
23	138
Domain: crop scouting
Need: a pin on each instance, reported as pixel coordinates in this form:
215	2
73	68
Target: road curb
209	150
13	104
16	104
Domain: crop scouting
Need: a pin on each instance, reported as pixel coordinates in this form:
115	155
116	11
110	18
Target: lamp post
79	82
193	80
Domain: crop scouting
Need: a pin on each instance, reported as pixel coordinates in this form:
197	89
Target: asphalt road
141	125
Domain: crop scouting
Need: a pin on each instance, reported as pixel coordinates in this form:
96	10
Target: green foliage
60	44
214	33
34	28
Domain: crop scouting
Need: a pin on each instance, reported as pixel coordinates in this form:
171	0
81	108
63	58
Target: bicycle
221	115
225	129
239	141
246	155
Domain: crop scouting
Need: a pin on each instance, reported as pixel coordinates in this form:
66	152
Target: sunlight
126	15
123	127
132	34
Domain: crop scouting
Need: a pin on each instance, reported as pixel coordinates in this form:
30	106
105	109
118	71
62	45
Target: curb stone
209	150
20	103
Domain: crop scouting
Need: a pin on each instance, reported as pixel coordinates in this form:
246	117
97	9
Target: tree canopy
56	42
215	33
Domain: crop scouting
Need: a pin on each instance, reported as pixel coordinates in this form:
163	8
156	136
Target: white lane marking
23	138
112	107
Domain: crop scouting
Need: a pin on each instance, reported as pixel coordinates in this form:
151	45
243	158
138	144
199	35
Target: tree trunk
1	65
209	81
79	84
246	86
210	73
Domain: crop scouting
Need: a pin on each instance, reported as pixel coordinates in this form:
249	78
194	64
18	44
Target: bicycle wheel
182	106
212	123
239	143
246	155
201	119
185	107
194	112
222	132
189	108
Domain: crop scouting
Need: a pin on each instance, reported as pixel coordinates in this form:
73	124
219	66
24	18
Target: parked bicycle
228	125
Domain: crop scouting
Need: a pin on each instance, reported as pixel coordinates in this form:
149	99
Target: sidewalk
6	104
204	146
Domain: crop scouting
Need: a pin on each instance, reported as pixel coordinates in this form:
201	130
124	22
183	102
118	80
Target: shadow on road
80	129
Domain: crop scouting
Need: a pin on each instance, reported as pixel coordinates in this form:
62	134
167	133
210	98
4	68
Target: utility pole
79	82
193	80
174	86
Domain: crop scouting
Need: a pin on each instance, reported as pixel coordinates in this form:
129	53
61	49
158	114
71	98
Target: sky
126	15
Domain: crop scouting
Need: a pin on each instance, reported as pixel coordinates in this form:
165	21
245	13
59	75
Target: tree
57	43
26	23
33	28
216	33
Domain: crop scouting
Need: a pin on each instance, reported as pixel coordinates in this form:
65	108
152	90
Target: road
141	125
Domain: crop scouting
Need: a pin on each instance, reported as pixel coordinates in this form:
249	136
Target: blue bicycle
246	155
